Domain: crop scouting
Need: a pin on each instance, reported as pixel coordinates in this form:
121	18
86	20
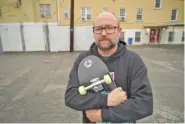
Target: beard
105	45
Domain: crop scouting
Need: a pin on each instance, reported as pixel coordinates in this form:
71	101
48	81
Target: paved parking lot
32	85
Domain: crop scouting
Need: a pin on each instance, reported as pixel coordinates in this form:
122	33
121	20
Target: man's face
106	31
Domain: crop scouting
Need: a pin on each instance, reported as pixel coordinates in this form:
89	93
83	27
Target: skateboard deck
92	70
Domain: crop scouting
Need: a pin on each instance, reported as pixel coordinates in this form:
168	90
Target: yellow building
12	11
141	20
135	14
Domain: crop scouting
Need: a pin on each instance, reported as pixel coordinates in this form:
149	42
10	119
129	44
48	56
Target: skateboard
94	76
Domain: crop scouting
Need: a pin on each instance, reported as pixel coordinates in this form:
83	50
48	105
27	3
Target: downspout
173	34
58	12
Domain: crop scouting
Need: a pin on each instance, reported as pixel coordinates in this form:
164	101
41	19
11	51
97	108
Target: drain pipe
58	12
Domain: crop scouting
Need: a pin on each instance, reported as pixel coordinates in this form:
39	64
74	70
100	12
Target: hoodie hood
120	50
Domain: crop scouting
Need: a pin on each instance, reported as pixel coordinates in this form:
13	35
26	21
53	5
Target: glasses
108	30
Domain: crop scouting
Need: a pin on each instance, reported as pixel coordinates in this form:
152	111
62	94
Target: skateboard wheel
82	90
107	79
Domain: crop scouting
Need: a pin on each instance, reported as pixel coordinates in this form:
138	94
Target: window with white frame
174	14
137	36
122	14
183	36
105	9
66	12
158	4
171	36
86	13
139	14
45	10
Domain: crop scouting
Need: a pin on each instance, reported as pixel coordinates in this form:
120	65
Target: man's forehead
106	17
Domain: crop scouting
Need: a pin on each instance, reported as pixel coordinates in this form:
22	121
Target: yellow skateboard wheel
82	90
107	79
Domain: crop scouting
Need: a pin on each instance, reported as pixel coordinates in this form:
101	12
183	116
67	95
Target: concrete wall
83	38
59	38
35	38
177	36
11	37
130	33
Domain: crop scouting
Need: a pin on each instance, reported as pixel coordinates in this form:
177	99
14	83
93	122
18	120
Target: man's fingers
124	93
125	98
86	112
119	89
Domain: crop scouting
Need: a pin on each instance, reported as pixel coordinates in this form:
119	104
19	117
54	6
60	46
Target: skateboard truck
83	90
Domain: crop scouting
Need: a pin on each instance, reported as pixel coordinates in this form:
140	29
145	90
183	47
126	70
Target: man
130	76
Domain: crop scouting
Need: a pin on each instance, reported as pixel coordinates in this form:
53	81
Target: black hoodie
130	73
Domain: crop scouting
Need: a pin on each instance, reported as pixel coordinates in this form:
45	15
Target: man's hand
116	97
94	115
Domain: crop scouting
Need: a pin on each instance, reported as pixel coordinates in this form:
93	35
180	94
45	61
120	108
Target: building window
183	36
66	13
122	14
158	4
171	36
105	9
139	14
174	14
45	10
137	36
86	13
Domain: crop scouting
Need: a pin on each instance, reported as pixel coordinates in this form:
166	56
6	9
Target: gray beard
110	46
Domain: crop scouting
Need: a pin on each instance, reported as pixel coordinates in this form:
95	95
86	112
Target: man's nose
103	33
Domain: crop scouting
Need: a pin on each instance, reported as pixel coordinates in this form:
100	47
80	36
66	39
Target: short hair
113	15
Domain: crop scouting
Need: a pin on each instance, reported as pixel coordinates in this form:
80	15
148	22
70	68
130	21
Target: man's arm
140	104
74	100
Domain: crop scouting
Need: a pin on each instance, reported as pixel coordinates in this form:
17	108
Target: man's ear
120	30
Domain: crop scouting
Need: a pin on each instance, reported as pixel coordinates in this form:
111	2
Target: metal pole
72	26
58	12
22	37
1	46
47	37
173	33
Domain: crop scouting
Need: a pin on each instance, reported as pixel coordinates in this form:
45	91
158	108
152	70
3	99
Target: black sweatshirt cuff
105	115
103	100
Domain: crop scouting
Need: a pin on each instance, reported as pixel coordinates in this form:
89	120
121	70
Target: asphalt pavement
32	85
